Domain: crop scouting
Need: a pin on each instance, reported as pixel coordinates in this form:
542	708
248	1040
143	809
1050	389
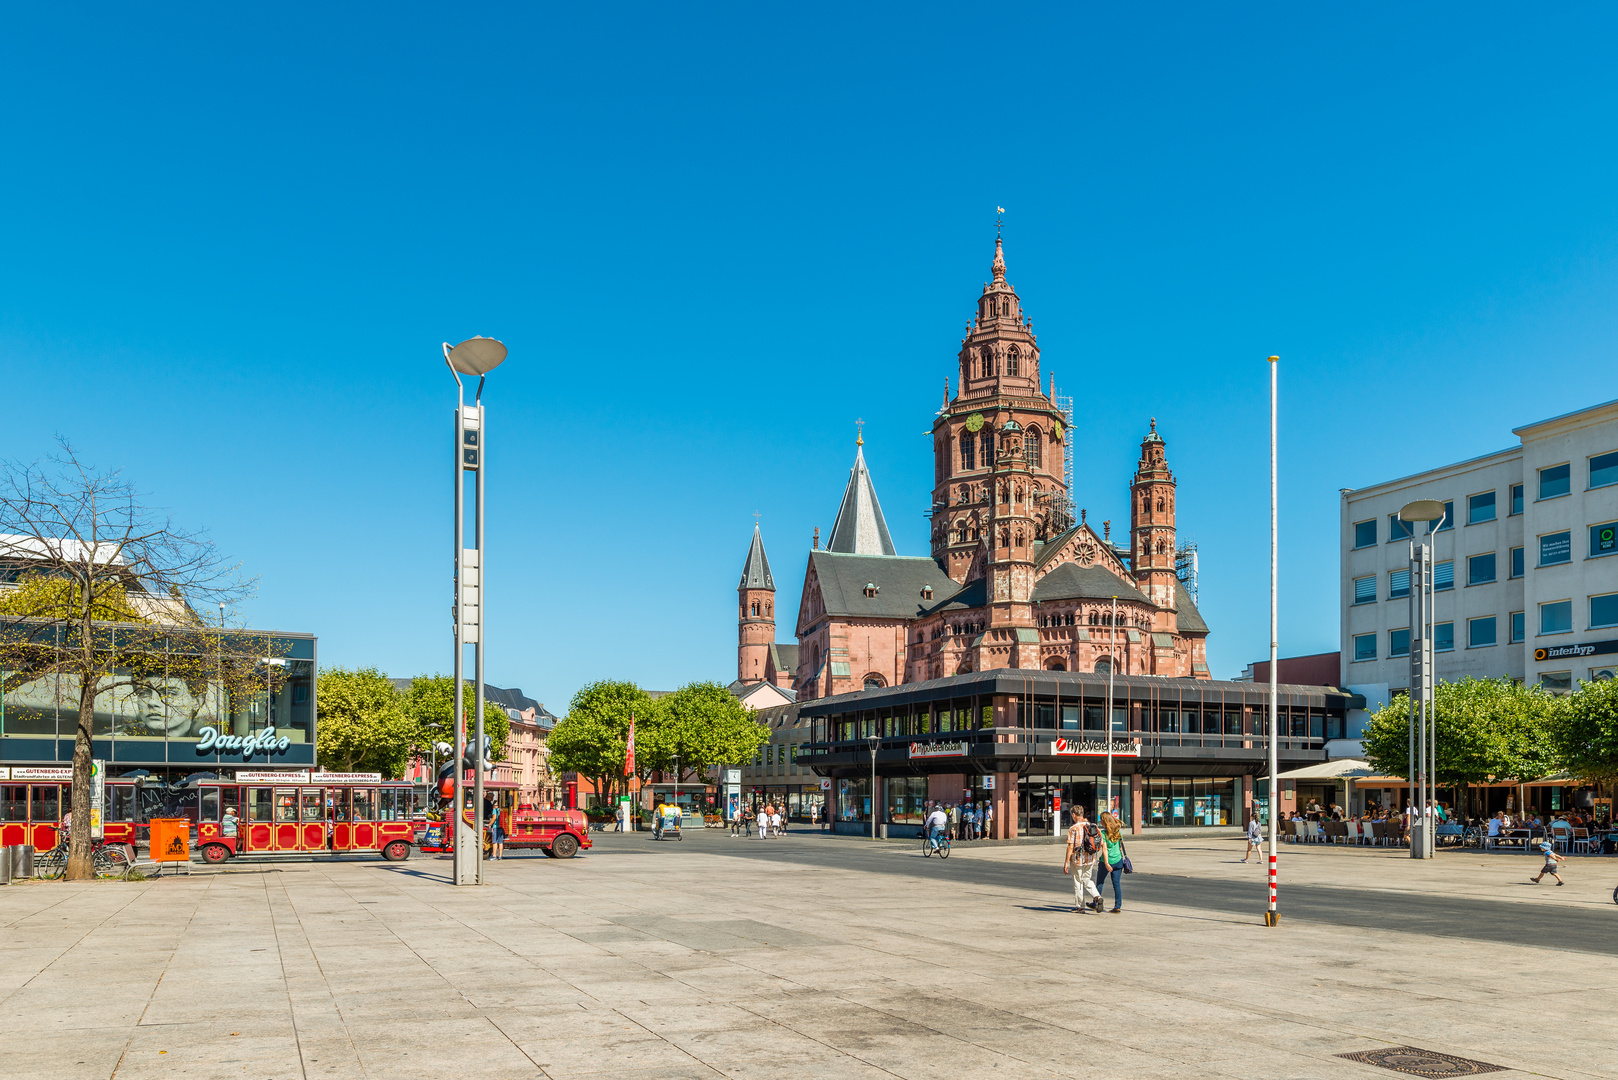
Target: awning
1341	769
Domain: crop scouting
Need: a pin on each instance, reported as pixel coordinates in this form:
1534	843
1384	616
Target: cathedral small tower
755	622
1011	532
1151	525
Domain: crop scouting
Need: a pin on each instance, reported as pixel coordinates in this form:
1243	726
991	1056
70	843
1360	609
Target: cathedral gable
1083	547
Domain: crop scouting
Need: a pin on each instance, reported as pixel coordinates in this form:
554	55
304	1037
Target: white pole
1112	667
1272	916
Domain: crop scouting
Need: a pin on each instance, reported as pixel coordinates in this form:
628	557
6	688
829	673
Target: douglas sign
260	742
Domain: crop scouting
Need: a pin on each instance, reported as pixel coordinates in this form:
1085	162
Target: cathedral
1012	580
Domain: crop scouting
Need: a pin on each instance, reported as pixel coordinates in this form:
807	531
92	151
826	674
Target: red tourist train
278	812
559	834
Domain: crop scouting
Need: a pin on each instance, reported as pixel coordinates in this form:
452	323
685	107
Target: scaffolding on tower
1185	567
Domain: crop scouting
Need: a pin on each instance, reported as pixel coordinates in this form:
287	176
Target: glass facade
1175	802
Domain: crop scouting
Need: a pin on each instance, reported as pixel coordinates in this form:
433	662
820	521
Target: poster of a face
166	707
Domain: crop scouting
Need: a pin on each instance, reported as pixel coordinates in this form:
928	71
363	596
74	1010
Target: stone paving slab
638	961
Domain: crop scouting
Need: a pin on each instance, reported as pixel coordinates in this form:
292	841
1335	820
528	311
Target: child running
1548	848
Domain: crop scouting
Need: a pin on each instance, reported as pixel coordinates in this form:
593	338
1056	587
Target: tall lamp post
1112	667
875	741
1423	733
1272	915
474	356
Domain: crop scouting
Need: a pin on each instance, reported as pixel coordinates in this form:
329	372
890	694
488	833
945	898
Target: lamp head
476	355
1422	510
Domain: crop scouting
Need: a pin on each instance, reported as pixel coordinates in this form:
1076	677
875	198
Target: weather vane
999	220
859	439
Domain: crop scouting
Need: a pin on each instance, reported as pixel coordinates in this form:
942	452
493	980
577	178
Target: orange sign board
171	840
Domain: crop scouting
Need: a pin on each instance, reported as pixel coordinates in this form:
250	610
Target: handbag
1129	867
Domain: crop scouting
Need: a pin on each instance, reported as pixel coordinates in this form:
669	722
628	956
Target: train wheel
565	846
215	853
397	851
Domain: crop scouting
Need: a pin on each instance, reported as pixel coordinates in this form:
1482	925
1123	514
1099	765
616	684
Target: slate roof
784	657
1190	618
756	571
899	580
859	528
1070	581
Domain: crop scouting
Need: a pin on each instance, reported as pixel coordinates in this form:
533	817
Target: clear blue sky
712	238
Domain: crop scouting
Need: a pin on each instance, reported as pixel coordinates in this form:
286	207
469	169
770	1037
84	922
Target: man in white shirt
937	822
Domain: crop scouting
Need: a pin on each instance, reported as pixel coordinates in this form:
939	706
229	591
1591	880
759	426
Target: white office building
1525	565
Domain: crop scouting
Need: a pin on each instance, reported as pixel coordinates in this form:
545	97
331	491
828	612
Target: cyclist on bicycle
937	822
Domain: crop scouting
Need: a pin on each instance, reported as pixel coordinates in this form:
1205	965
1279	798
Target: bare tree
103	592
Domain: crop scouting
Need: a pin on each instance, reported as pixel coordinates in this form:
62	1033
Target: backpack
1087	841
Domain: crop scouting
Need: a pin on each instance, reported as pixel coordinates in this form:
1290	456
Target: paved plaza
813	957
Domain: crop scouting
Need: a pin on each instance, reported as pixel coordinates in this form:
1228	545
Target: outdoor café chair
1581	841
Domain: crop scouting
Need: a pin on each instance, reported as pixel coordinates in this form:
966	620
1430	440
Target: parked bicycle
108	860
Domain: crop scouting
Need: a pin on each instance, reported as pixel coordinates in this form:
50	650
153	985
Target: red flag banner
629	750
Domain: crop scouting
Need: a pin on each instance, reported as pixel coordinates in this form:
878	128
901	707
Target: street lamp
1112	647
875	741
474	356
1423	749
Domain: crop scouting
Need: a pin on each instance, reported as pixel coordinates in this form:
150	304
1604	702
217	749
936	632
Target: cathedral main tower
755	614
998	400
1151	525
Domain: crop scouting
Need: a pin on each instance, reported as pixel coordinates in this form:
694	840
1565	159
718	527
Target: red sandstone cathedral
1012	580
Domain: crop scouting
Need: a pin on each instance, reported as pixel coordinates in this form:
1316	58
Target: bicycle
107	859
928	847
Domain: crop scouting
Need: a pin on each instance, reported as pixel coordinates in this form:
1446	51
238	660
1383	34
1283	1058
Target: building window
1555	548
1557	682
1365	533
1398	643
987	439
1364	648
1444	637
1480	633
1555	481
1444	575
1480	508
1516	562
1603	539
1603	611
1398	529
1014	356
1480	569
1398	584
1516	499
968	451
873	682
1519	627
1033	453
1556	617
1365	589
1604	470
1448	521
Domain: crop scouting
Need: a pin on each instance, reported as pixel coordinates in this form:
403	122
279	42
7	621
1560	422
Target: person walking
1547	847
988	818
497	836
778	824
1083	852
1255	837
1113	860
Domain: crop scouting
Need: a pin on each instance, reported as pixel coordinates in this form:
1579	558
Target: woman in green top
1112	859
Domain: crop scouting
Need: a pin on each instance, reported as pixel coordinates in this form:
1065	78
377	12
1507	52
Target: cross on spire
859	439
999	220
755	518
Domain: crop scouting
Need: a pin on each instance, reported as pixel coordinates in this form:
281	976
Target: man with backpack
1082	855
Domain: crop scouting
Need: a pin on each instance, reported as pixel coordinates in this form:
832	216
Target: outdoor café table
1515	836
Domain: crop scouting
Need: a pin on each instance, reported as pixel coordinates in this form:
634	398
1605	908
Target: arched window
755	607
1055	664
986	363
873	682
1103	665
987	439
1005	309
1070	618
1014	356
968	451
1033	453
769	607
1160	504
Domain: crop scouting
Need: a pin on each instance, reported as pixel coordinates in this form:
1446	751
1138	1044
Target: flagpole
1271	915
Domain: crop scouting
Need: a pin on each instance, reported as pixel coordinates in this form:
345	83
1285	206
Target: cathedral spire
756	571
999	266
860	528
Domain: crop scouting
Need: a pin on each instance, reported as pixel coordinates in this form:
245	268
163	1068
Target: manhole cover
1415	1062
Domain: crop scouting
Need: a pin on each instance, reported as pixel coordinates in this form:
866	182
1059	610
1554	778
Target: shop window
1555	548
1480	508
1555	481
1604	470
1557	682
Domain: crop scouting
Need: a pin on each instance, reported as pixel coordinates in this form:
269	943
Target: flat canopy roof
1086	684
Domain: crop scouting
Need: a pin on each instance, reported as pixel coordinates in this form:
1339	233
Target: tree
431	700
590	740
107	595
362	725
704	725
1487	730
1586	733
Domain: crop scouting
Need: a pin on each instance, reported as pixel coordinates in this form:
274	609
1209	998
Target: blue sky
713	238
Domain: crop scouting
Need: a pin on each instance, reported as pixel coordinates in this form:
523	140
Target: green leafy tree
590	740
431	700
703	725
1587	732
1487	730
362	723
